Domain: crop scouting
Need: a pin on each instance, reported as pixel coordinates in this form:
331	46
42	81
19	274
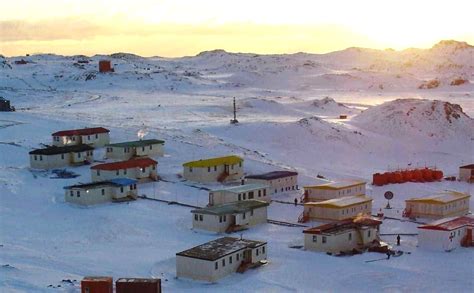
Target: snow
288	108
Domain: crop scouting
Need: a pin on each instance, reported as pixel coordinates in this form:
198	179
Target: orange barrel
417	175
427	174
437	174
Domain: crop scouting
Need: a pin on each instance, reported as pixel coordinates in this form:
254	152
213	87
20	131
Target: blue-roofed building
114	190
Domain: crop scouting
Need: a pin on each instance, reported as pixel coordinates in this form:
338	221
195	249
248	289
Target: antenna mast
234	121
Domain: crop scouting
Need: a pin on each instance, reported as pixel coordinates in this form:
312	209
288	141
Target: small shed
466	173
220	169
95	136
57	157
447	234
5	105
105	66
116	190
337	209
439	205
139	168
333	190
138	285
279	181
239	193
137	148
97	285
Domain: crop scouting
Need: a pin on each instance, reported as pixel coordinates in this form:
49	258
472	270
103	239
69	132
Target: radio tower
234	121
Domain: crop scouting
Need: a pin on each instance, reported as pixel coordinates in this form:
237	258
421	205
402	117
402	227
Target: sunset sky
185	27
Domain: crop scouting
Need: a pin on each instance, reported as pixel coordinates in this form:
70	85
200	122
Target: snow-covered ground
289	107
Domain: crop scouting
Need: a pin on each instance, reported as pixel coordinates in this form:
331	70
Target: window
78	193
143	170
153	167
190	169
143	149
315	238
98	172
103	191
238	255
62	156
459	232
225	218
263	249
125	150
36	158
223	262
368	233
240	164
124	171
245	196
208	169
151	147
232	167
276	190
41	158
196	217
71	193
250	194
251	213
240	197
117	172
243	216
259	193
324	239
216	265
350	236
88	137
121	189
134	186
264	192
220	219
256	251
201	218
230	259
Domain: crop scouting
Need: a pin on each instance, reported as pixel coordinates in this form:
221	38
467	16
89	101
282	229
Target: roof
449	224
441	197
341	202
471	166
218	248
112	182
97	278
272	175
136	143
137	280
56	150
242	188
337	185
340	226
232	208
133	163
83	131
229	160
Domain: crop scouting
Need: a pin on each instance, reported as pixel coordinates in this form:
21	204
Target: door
211	199
247	256
226	169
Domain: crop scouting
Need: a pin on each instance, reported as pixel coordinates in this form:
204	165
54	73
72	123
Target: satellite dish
388	195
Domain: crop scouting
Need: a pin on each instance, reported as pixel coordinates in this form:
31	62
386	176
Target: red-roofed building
466	173
97	137
140	168
447	234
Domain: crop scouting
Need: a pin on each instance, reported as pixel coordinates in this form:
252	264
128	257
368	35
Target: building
137	285
138	148
343	236
121	189
439	205
140	168
97	285
447	234
214	170
97	137
466	173
279	181
216	259
337	209
57	157
105	66
231	217
239	193
333	190
5	105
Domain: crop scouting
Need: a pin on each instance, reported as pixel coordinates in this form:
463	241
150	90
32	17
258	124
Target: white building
333	190
337	209
220	169
140	168
239	193
466	173
138	148
96	137
121	189
216	259
343	236
439	205
57	157
447	234
279	181
230	217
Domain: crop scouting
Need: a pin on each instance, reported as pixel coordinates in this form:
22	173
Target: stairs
303	218
406	213
235	228
467	241
304	197
222	177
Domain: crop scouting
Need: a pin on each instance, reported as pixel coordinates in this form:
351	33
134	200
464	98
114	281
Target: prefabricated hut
138	148
219	169
5	105
120	189
337	209
439	205
96	137
58	157
279	181
216	259
140	168
239	193
97	285
447	234
333	190
466	173
342	236
231	217
105	66
138	285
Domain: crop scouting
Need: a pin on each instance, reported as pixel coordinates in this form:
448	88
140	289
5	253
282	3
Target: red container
379	179
437	174
397	177
97	285
407	176
135	285
417	176
105	66
427	174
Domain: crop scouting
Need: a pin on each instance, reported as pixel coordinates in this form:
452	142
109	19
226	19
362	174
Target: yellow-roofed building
333	190
221	169
337	209
439	205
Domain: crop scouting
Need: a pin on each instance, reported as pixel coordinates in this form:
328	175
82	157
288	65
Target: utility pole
234	121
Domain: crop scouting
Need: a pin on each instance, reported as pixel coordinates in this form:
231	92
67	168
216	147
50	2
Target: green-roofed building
138	148
220	169
230	217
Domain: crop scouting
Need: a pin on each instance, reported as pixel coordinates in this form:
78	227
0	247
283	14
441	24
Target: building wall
281	185
96	140
330	214
123	153
224	196
90	196
80	157
436	211
132	173
66	140
315	194
440	240
336	243
465	174
60	160
211	174
220	224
